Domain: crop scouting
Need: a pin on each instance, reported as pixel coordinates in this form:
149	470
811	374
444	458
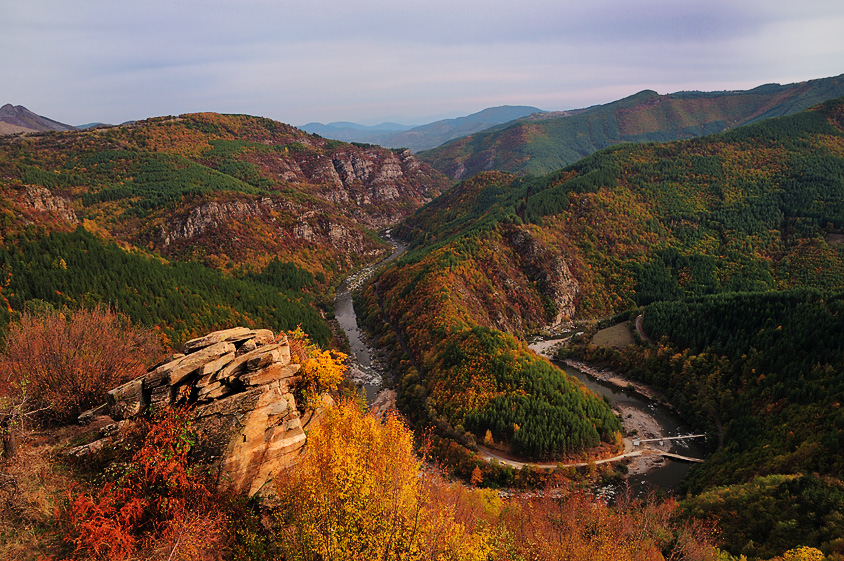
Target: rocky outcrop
549	271
42	199
213	215
240	384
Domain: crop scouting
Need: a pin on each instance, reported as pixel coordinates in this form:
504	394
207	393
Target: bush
58	364
321	371
158	504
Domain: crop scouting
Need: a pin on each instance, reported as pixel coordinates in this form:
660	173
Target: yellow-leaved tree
803	553
361	494
321	370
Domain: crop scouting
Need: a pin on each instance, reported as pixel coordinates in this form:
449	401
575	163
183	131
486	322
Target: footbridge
662	438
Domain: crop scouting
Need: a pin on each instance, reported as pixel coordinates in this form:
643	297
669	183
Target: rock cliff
550	273
231	191
42	199
240	385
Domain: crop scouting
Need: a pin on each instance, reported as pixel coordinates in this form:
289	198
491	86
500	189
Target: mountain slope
243	195
22	119
541	143
760	208
421	137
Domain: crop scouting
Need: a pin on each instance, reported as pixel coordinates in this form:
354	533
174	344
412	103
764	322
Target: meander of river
665	475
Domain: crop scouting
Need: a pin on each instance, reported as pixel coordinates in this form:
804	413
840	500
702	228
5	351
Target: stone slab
272	373
213	338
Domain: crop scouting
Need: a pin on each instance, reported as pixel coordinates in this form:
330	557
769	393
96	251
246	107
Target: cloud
337	60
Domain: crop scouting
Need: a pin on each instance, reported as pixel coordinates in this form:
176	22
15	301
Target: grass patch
617	336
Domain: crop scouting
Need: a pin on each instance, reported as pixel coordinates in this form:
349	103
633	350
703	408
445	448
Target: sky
412	62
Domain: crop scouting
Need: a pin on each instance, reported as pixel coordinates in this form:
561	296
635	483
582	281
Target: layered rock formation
372	187
42	199
550	272
240	383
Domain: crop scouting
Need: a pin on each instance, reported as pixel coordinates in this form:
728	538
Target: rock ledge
240	384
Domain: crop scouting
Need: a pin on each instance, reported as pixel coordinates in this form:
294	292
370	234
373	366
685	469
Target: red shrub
159	501
61	363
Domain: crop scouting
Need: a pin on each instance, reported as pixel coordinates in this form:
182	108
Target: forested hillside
756	210
763	374
79	269
542	143
247	210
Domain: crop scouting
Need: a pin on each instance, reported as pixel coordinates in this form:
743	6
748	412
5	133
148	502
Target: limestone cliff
351	189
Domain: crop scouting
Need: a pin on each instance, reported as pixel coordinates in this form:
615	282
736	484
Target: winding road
629	452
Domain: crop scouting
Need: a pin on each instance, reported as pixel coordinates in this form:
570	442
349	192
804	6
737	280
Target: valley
713	263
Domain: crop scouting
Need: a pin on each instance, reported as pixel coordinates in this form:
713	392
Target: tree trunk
10	445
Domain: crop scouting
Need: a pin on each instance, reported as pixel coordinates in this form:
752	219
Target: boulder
241	382
216	337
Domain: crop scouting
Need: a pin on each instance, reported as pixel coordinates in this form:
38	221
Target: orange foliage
321	370
64	362
575	526
157	500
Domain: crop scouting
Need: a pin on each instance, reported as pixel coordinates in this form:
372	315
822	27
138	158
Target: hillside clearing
617	336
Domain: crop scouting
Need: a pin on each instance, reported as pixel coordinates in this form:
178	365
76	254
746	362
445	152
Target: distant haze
412	62
430	135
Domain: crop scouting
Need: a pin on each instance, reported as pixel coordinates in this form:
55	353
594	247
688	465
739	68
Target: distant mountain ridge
20	119
422	137
541	143
345	127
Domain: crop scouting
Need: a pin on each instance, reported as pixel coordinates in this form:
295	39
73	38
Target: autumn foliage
321	370
59	363
360	493
575	526
158	503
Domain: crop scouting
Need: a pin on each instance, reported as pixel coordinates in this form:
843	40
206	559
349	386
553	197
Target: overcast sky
80	61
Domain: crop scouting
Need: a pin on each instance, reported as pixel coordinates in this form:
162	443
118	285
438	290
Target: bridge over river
632	449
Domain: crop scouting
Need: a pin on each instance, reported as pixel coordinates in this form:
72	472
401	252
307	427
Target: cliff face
229	190
369	187
240	384
549	271
43	200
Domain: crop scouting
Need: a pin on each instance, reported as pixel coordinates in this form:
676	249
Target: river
363	371
647	417
650	419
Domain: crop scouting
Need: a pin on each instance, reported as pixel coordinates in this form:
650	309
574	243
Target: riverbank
620	381
638	420
365	368
548	349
